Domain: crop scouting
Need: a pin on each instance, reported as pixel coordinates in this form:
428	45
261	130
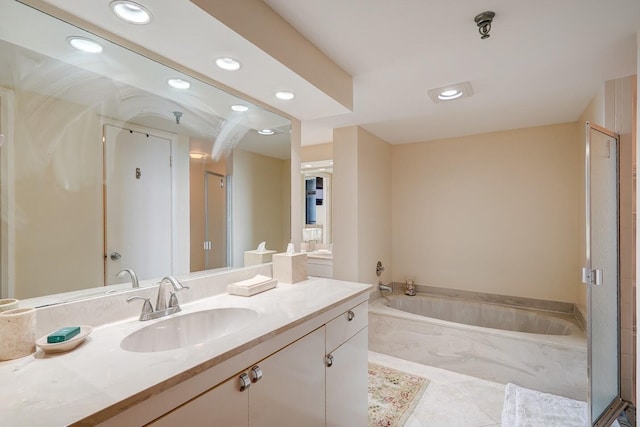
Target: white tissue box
256	257
290	268
252	286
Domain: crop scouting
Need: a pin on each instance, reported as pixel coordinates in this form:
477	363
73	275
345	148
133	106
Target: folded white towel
257	284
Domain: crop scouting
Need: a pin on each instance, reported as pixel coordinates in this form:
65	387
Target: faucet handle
173	301
146	307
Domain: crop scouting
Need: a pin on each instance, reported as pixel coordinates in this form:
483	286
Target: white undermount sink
188	329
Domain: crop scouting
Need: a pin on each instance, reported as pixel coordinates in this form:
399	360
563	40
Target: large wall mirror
109	160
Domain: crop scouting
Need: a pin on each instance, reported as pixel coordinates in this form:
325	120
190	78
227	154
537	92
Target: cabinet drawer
346	325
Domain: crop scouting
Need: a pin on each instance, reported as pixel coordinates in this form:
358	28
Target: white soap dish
60	347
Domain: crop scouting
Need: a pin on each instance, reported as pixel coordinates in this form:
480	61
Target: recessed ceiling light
451	92
285	95
446	95
228	64
132	12
266	132
179	83
240	108
84	44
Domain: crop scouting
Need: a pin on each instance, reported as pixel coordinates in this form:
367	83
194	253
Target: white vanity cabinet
286	388
223	405
346	372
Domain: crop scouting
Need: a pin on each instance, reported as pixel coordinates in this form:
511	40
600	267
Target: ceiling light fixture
228	64
84	44
131	12
179	84
266	132
240	108
483	21
285	95
197	156
451	92
447	95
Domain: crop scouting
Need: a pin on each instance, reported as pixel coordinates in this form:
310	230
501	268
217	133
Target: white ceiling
543	63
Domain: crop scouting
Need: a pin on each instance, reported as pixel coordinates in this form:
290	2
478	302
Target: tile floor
451	399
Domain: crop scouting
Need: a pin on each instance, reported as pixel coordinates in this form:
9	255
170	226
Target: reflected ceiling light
228	64
132	12
451	92
285	95
266	132
179	83
308	165
240	108
84	44
197	156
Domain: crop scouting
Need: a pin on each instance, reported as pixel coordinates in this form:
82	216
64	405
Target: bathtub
545	351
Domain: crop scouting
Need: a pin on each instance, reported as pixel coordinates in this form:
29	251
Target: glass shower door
601	273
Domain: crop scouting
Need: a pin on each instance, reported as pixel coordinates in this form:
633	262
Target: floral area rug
393	395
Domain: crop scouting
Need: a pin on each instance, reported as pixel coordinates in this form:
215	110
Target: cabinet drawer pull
245	382
256	374
350	315
329	360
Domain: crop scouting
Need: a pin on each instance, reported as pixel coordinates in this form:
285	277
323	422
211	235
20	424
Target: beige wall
318	152
258	183
296	199
361	204
58	203
490	213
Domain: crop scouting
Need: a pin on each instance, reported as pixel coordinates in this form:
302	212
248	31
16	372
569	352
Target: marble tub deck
554	364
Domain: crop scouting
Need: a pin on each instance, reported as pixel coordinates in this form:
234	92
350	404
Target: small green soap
64	334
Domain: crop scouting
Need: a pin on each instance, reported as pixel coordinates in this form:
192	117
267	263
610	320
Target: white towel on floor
530	408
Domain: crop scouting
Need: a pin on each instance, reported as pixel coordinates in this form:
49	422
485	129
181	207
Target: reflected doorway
137	203
215	244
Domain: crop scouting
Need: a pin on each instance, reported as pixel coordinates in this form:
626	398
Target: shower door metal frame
617	404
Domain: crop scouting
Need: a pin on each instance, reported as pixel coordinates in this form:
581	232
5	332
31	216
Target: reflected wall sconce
484	20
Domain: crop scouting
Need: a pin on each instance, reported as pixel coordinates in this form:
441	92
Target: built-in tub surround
552	358
99	379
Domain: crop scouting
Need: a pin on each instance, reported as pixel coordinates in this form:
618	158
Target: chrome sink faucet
161	300
132	275
161	309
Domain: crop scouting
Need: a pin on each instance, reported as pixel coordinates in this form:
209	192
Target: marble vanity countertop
99	379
